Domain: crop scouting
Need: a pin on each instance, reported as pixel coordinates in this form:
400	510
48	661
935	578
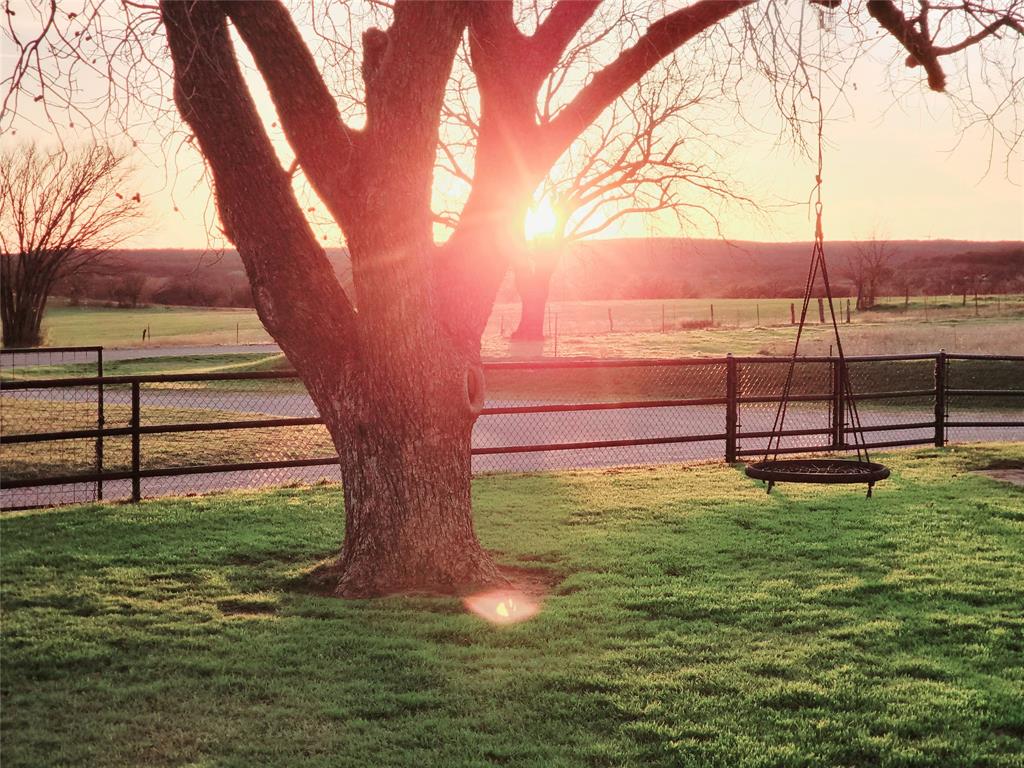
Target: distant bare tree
868	267
60	214
129	289
646	157
76	287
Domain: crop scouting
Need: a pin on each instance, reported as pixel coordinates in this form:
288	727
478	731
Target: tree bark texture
406	466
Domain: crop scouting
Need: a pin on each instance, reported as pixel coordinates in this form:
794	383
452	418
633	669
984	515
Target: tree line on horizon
595	271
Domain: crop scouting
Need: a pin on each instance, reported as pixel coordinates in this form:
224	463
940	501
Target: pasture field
65	326
689	620
926	324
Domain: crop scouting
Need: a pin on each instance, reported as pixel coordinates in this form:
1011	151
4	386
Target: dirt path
1012	476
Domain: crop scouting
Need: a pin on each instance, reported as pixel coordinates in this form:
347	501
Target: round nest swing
817	471
771	469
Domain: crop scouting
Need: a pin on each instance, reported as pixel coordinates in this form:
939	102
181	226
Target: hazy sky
898	168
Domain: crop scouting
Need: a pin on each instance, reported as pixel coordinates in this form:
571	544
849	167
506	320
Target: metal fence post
731	408
940	399
838	432
99	423
136	462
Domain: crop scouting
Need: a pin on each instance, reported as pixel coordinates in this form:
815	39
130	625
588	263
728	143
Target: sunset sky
899	168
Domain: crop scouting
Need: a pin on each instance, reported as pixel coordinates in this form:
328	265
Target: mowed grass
698	622
901	337
64	325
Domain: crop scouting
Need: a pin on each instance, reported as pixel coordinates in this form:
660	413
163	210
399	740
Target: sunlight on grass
691	621
502	606
741	326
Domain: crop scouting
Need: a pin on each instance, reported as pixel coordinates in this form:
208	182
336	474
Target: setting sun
541	221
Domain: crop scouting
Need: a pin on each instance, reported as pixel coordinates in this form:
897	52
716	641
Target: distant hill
664	268
622	268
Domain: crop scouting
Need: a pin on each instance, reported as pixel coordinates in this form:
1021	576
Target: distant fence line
81	438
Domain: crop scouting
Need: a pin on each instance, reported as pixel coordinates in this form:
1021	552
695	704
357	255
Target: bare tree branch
557	30
660	40
916	35
323	144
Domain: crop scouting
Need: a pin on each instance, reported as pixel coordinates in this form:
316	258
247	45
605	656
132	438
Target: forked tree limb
324	146
915	36
917	43
255	198
560	26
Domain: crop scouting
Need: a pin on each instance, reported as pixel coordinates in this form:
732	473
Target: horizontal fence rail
262	427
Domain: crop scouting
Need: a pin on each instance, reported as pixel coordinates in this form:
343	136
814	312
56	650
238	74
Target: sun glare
502	606
540	221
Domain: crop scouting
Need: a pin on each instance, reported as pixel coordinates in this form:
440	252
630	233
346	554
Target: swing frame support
771	469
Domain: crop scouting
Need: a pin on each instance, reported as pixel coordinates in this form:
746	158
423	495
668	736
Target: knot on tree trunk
375	46
474	390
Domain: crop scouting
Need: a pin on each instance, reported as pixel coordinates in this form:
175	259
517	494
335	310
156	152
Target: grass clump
697	622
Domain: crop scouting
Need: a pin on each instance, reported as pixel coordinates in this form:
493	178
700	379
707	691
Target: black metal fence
77	438
18	365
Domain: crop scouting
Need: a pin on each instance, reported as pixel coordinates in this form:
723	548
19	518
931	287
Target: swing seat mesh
817	471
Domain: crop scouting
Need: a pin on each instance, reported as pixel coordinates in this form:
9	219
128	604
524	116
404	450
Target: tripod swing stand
771	469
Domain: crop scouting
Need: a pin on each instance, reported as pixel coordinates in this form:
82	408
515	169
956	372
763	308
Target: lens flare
502	606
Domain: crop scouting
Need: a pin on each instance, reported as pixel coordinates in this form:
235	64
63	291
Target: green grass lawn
698	622
114	327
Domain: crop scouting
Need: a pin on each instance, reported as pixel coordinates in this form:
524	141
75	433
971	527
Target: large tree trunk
403	437
397	386
409	518
533	286
394	369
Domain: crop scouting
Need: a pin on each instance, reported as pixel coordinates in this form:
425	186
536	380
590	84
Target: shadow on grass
700	622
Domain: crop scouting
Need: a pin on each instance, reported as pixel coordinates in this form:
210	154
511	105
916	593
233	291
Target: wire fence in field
669	315
83	437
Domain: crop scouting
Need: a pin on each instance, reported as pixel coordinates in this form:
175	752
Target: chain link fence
55	410
83	437
572	414
981	394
